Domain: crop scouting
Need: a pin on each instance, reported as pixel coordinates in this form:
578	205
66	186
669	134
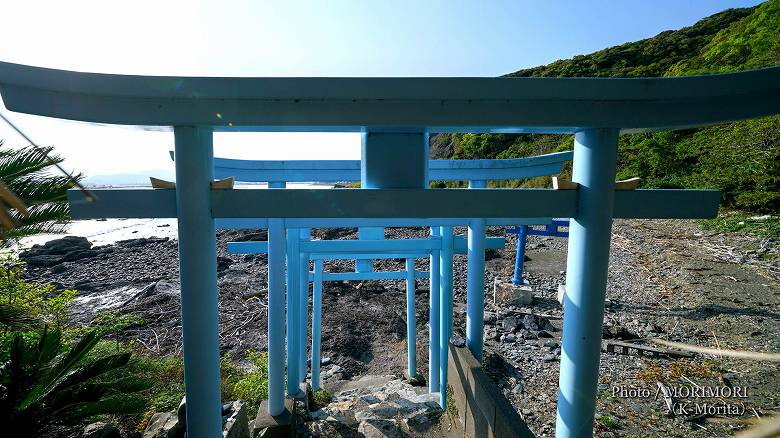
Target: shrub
47	385
40	301
252	385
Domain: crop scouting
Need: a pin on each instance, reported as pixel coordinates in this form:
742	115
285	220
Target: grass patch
319	399
249	385
606	422
653	372
742	222
449	396
164	376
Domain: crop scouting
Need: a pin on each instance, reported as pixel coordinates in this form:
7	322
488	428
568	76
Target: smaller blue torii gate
477	172
407	249
523	231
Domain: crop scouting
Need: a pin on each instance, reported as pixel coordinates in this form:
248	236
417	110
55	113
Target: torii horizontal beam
459	245
390	203
555	105
349	170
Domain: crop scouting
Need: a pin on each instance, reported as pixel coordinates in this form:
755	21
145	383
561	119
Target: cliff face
741	159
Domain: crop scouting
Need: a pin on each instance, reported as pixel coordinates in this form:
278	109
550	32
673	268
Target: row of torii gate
395	117
439	248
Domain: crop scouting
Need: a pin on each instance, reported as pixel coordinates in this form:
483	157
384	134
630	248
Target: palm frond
37	189
92	370
120	404
63	366
15	318
45	218
28	160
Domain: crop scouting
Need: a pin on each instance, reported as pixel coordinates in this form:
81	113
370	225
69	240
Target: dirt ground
668	279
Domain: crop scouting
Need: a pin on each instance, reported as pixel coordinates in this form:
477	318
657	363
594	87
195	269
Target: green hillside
742	159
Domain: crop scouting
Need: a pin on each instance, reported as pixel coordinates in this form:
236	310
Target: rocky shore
668	279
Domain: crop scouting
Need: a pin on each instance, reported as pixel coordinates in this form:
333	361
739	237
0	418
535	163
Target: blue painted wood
394	203
475	282
369	255
253	224
595	155
550	229
316	325
475	288
355	104
198	278
368	233
123	203
375	275
293	304
460	243
276	315
670	204
434	296
411	324
394	160
445	318
371	245
277	254
517	278
535	205
303	310
349	170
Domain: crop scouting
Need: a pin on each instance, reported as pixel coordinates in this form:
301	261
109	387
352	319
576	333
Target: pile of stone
174	425
377	406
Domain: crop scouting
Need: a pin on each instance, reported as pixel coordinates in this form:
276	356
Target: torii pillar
595	157
198	278
397	160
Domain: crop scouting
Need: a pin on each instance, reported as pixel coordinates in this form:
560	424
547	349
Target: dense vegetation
741	159
55	377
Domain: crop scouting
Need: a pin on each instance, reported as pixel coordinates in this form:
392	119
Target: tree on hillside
29	174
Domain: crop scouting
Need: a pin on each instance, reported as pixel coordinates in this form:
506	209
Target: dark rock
131	243
458	341
236	423
536	323
166	287
544	334
80	254
164	425
549	358
181	412
223	263
100	430
64	245
44	260
509	324
492	254
616	332
529	322
528	335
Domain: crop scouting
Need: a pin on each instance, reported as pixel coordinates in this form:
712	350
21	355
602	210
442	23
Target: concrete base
508	294
268	426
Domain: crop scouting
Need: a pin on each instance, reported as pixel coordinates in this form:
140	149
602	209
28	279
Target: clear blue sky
285	38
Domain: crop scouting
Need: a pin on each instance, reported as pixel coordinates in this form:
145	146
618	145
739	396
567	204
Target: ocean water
108	231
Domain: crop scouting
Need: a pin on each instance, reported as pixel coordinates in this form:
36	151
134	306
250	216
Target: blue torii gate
553	228
395	116
279	173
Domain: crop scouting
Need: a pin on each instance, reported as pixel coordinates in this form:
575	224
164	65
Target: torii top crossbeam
556	105
395	116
